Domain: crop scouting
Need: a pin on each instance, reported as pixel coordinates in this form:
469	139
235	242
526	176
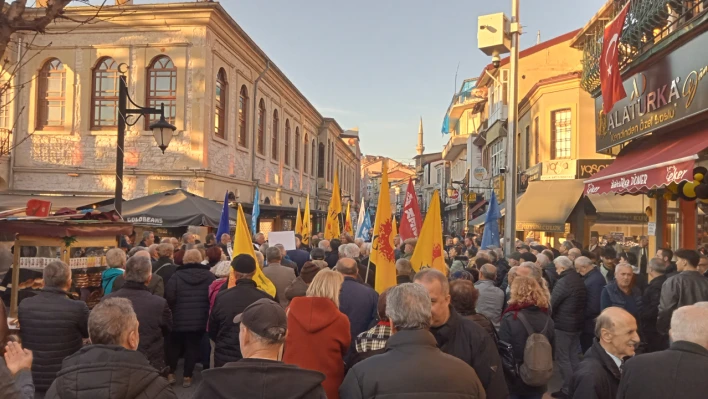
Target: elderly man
404	271
111	367
594	284
148	239
491	298
258	240
225	245
685	361
649	312
156	285
284	259
568	306
356	300
461	337
595	247
317	254
187	239
53	325
398	372
152	311
549	270
281	276
620	292
152	250
598	375
574	253
683	289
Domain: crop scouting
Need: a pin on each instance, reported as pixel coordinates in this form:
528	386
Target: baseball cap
262	315
244	264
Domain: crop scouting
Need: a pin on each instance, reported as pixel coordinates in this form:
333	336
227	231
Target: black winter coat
163	260
166	270
645	376
108	372
654	340
502	270
551	276
513	332
597	376
484	322
155	320
399	372
467	341
52	327
594	283
156	286
222	330
568	302
187	293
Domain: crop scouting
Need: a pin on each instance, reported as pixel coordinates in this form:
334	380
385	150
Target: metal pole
122	113
510	195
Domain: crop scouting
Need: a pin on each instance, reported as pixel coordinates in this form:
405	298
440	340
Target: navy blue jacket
360	303
299	257
594	283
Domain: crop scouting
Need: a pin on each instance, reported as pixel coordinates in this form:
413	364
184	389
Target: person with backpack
526	325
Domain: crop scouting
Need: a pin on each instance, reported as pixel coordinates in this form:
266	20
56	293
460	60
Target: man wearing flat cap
261	374
229	303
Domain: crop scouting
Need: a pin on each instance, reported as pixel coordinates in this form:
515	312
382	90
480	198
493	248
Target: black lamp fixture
162	131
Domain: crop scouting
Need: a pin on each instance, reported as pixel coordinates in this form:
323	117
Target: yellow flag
428	250
333	211
243	245
348	229
298	221
306	229
382	253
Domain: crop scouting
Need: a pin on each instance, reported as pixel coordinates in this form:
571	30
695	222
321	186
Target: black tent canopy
174	208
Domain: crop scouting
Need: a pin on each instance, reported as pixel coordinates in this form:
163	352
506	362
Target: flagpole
368	265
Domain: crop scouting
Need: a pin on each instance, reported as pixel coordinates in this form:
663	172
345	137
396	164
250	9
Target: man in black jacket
261	333
53	325
412	366
110	368
594	283
682	289
649	311
230	303
165	267
152	311
461	337
598	375
568	309
686	362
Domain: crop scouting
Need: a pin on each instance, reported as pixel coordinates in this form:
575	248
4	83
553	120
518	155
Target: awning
13	201
546	205
477	206
620	209
650	162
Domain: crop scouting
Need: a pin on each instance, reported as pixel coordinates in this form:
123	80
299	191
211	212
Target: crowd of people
614	324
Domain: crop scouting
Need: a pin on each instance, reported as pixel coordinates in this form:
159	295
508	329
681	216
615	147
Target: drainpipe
253	132
18	102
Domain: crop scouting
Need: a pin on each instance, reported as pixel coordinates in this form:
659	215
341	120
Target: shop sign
665	93
588	167
145	220
479	173
562	169
471	197
634	182
547	227
498	186
531	174
621	218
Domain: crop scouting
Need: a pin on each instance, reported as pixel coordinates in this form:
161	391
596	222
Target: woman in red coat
318	333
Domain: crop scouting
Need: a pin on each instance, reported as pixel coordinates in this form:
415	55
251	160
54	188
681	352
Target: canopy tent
174	208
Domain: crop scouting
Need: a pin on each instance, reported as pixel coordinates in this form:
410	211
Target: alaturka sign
670	90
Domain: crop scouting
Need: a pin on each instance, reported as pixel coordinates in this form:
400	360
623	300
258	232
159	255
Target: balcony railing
648	23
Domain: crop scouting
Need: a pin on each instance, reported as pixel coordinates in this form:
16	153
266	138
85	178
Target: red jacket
318	338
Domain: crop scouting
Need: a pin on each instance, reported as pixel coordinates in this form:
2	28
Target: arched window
321	160
312	153
221	100
242	115
297	148
162	89
104	100
274	145
261	128
287	142
51	95
304	156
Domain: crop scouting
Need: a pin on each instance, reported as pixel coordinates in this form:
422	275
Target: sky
381	65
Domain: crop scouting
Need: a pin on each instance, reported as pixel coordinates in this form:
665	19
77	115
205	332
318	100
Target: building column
687	210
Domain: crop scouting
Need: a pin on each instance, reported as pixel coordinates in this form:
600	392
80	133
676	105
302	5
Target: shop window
51	101
104	112
497	156
561	134
162	89
221	100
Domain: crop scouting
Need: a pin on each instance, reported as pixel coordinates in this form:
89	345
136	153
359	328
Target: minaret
420	147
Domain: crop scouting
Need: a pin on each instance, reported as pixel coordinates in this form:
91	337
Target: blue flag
224	222
364	227
491	224
256	211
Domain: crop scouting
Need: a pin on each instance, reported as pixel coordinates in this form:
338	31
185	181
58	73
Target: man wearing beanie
230	303
300	284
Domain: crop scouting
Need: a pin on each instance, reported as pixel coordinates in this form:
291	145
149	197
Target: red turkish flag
610	78
411	221
38	208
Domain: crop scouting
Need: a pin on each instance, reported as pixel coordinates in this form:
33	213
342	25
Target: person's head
221	269
609	256
537	249
408	307
410	245
455	241
656	267
135	250
359	242
260	238
320	235
138	269
448	241
528	257
629	257
574	253
438	289
225	238
309	271
381	306
511	275
273	255
468	242
488	272
262	329
210	239
703	264
542	260
623	276
213	255
365	249
464	296
690	323
562	264
334	244
665	254
113	322
282	250
326	284
116	258
527	291
188	238
165	250
325	245
452	252
616	330
514	259
570	237
565	247
349	251
348	267
687	259
192	256
583	265
549	254
472	252
317	254
57	274
643	241
404	267
148	238
152	249
244	266
479	262
260	259
175	244
524	248
594	240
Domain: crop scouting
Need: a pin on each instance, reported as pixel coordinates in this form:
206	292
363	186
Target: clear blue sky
381	64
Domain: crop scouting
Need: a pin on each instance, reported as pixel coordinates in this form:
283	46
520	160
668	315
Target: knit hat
308	272
244	264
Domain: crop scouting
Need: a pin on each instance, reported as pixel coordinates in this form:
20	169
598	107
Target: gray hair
165	250
349	250
365	249
57	274
110	320
657	265
359	242
408	307
115	257
324	244
185	237
272	336
488	271
404	267
152	249
430	275
543	260
273	254
690	323
146	234
192	256
575	252
536	271
583	261
135	250
138	269
564	262
631	269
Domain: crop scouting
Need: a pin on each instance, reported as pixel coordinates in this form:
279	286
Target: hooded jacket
318	338
597	376
187	293
260	379
108	372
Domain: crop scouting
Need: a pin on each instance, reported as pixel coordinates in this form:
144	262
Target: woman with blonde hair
527	313
318	333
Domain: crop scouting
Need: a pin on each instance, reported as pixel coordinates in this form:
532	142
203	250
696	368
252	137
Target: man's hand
17	359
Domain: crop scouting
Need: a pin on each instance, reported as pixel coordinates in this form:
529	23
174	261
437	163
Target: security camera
496	59
502	169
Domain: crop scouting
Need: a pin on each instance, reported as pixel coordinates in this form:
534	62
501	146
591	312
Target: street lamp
161	130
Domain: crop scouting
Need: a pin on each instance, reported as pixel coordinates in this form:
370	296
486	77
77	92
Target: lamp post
161	130
510	220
